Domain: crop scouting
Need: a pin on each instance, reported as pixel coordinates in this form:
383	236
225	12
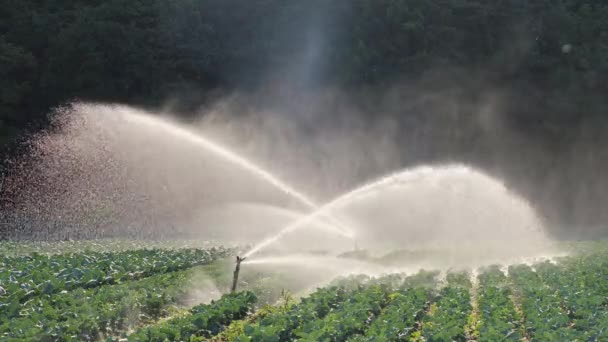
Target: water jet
228	155
108	166
455	208
236	218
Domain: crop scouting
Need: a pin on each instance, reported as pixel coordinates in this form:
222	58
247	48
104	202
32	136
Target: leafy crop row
564	301
205	320
25	277
88	314
544	316
351	317
499	320
19	248
280	326
447	317
581	283
399	319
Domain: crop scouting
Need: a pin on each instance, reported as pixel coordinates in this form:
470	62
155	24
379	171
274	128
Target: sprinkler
235	276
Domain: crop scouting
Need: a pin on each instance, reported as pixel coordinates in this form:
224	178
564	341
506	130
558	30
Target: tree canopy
143	51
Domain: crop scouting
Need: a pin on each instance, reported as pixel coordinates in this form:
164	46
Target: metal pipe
235	276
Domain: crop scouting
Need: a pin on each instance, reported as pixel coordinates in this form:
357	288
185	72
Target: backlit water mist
449	207
117	171
105	159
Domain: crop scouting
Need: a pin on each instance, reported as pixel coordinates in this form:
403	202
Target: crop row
350	317
19	248
546	302
25	277
544	317
559	301
89	314
498	317
281	326
448	315
202	322
400	318
553	305
583	290
355	308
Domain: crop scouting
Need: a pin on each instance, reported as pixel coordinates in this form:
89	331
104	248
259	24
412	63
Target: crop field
149	293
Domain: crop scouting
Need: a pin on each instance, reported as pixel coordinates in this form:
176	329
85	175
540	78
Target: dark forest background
547	61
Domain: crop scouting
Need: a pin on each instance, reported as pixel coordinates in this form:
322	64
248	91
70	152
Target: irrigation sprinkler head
235	275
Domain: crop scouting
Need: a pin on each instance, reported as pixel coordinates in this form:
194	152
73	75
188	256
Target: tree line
140	51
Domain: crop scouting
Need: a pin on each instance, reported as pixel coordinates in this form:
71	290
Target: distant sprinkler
235	276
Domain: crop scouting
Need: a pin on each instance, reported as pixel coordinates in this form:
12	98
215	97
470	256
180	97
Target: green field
149	291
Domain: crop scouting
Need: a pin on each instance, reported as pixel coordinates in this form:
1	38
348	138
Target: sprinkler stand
235	275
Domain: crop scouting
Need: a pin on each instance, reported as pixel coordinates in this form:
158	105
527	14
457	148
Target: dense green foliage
549	301
205	320
581	283
11	248
399	319
89	314
141	51
447	317
24	277
351	317
499	320
281	326
544	317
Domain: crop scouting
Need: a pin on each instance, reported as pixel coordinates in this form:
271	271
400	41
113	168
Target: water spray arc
397	180
256	211
222	152
231	157
351	195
